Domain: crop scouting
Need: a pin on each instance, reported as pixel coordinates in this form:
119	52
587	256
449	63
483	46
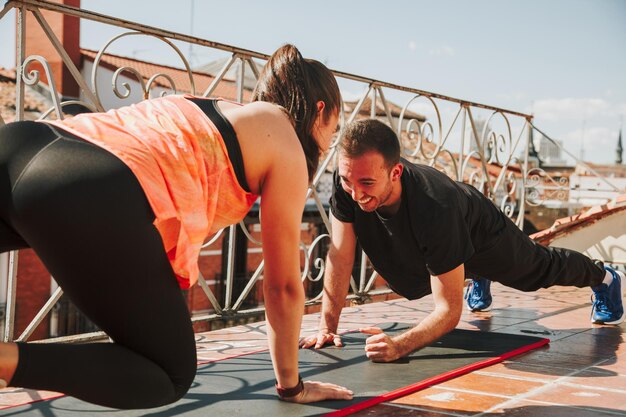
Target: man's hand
319	391
323	337
379	347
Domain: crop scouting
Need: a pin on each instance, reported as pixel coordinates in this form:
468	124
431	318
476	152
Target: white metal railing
495	158
542	188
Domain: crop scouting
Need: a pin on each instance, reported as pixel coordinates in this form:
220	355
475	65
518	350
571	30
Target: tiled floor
581	373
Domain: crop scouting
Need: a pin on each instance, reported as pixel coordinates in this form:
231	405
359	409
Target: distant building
550	152
480	127
604	183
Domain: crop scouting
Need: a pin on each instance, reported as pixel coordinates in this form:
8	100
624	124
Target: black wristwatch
290	392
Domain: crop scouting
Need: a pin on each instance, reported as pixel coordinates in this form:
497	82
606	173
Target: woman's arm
282	203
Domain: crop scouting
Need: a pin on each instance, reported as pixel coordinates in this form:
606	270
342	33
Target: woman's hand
319	391
323	337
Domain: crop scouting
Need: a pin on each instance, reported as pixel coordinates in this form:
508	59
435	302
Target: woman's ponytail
297	84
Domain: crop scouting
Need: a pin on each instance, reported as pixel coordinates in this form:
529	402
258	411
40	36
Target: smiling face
370	182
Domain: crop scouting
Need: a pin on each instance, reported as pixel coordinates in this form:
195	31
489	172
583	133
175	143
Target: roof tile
226	89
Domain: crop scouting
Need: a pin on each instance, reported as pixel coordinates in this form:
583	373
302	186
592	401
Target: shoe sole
478	310
621	291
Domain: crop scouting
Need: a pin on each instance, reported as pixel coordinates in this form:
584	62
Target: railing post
9	324
4	280
483	163
241	71
522	207
21	46
230	266
462	150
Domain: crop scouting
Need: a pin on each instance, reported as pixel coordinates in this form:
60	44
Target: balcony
582	373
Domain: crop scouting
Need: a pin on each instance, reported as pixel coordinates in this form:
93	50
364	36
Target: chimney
67	30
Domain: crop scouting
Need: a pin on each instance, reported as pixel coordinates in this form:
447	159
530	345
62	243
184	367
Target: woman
117	205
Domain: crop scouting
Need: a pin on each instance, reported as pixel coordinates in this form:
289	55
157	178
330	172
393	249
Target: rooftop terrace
581	373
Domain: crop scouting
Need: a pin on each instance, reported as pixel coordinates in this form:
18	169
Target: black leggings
84	213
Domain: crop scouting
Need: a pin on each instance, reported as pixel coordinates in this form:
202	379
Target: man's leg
518	262
608	304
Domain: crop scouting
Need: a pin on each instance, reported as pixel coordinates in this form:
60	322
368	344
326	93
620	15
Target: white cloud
594	137
513	95
444	50
412	45
599	143
570	108
351	95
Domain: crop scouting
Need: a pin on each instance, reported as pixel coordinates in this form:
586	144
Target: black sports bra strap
212	111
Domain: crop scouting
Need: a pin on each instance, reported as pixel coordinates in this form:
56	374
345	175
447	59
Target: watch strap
290	392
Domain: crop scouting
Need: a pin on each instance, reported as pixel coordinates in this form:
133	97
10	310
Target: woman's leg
19	142
9	239
86	216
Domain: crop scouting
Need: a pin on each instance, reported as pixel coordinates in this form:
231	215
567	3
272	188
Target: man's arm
339	263
448	297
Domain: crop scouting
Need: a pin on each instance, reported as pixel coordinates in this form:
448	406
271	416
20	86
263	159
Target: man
424	232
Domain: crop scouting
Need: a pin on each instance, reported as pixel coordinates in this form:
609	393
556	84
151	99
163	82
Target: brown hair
362	136
297	84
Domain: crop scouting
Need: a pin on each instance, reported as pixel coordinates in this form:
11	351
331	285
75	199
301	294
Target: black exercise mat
244	385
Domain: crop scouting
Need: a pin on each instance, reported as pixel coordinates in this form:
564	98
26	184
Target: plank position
425	233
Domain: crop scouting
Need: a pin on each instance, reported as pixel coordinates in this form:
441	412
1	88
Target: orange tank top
181	161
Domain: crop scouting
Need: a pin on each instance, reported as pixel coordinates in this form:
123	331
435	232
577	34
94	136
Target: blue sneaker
607	305
478	295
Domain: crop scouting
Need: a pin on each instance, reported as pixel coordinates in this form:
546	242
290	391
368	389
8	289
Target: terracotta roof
586	218
7	74
226	89
34	103
394	109
611	170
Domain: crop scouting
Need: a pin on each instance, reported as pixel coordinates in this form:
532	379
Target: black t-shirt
440	225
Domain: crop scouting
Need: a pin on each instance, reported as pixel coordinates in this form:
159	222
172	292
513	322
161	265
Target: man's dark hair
362	136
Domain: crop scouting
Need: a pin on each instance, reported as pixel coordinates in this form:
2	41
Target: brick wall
67	30
33	290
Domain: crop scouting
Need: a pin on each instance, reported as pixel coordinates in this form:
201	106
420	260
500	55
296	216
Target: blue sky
563	60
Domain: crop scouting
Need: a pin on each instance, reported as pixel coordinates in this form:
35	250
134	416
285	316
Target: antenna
191	33
581	154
